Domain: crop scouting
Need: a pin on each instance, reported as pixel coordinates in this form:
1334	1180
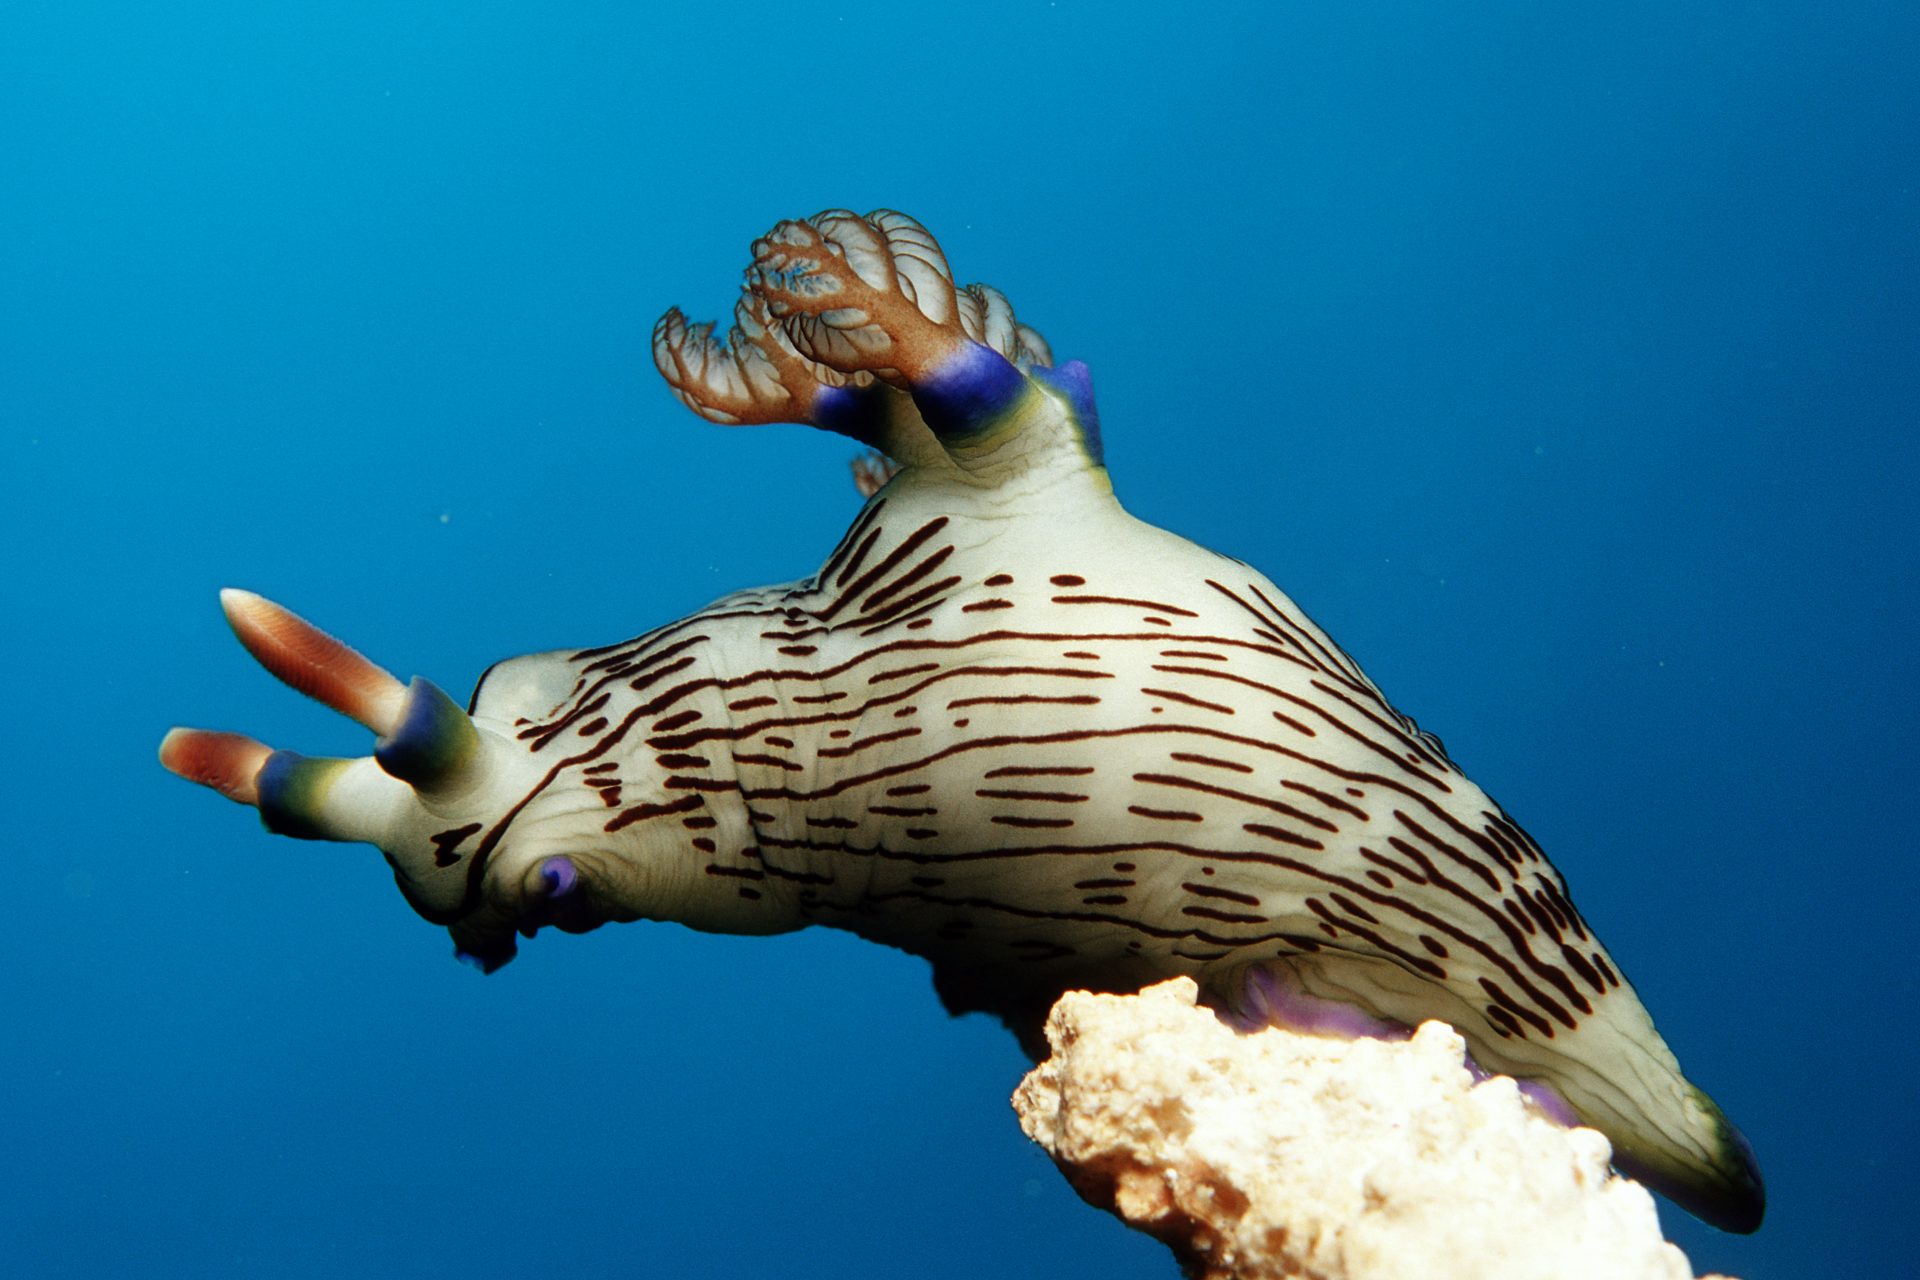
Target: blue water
1562	365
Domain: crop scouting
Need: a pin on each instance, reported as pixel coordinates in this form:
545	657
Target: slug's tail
1724	1188
1615	1075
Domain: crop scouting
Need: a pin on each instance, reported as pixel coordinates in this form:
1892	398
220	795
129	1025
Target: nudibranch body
1006	726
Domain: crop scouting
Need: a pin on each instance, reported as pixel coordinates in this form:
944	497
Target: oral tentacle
560	876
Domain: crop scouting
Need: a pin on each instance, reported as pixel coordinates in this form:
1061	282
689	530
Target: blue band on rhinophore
968	392
434	737
291	786
1075	381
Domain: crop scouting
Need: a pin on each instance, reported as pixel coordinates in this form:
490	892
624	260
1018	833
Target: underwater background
1559	360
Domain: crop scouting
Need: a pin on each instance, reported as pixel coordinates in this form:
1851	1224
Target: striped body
1072	752
1006	726
1100	767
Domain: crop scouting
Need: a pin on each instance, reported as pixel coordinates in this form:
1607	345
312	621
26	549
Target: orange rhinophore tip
228	762
308	659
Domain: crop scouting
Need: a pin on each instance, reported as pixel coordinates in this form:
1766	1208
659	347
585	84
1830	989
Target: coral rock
1277	1154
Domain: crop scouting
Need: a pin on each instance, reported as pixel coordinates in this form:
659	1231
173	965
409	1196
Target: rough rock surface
1285	1155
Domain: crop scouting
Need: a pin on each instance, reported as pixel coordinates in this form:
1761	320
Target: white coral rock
1284	1155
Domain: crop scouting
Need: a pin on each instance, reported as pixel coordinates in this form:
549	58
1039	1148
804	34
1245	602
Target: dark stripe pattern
1022	767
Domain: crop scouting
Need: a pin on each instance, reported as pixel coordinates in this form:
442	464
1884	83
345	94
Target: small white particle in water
446	517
